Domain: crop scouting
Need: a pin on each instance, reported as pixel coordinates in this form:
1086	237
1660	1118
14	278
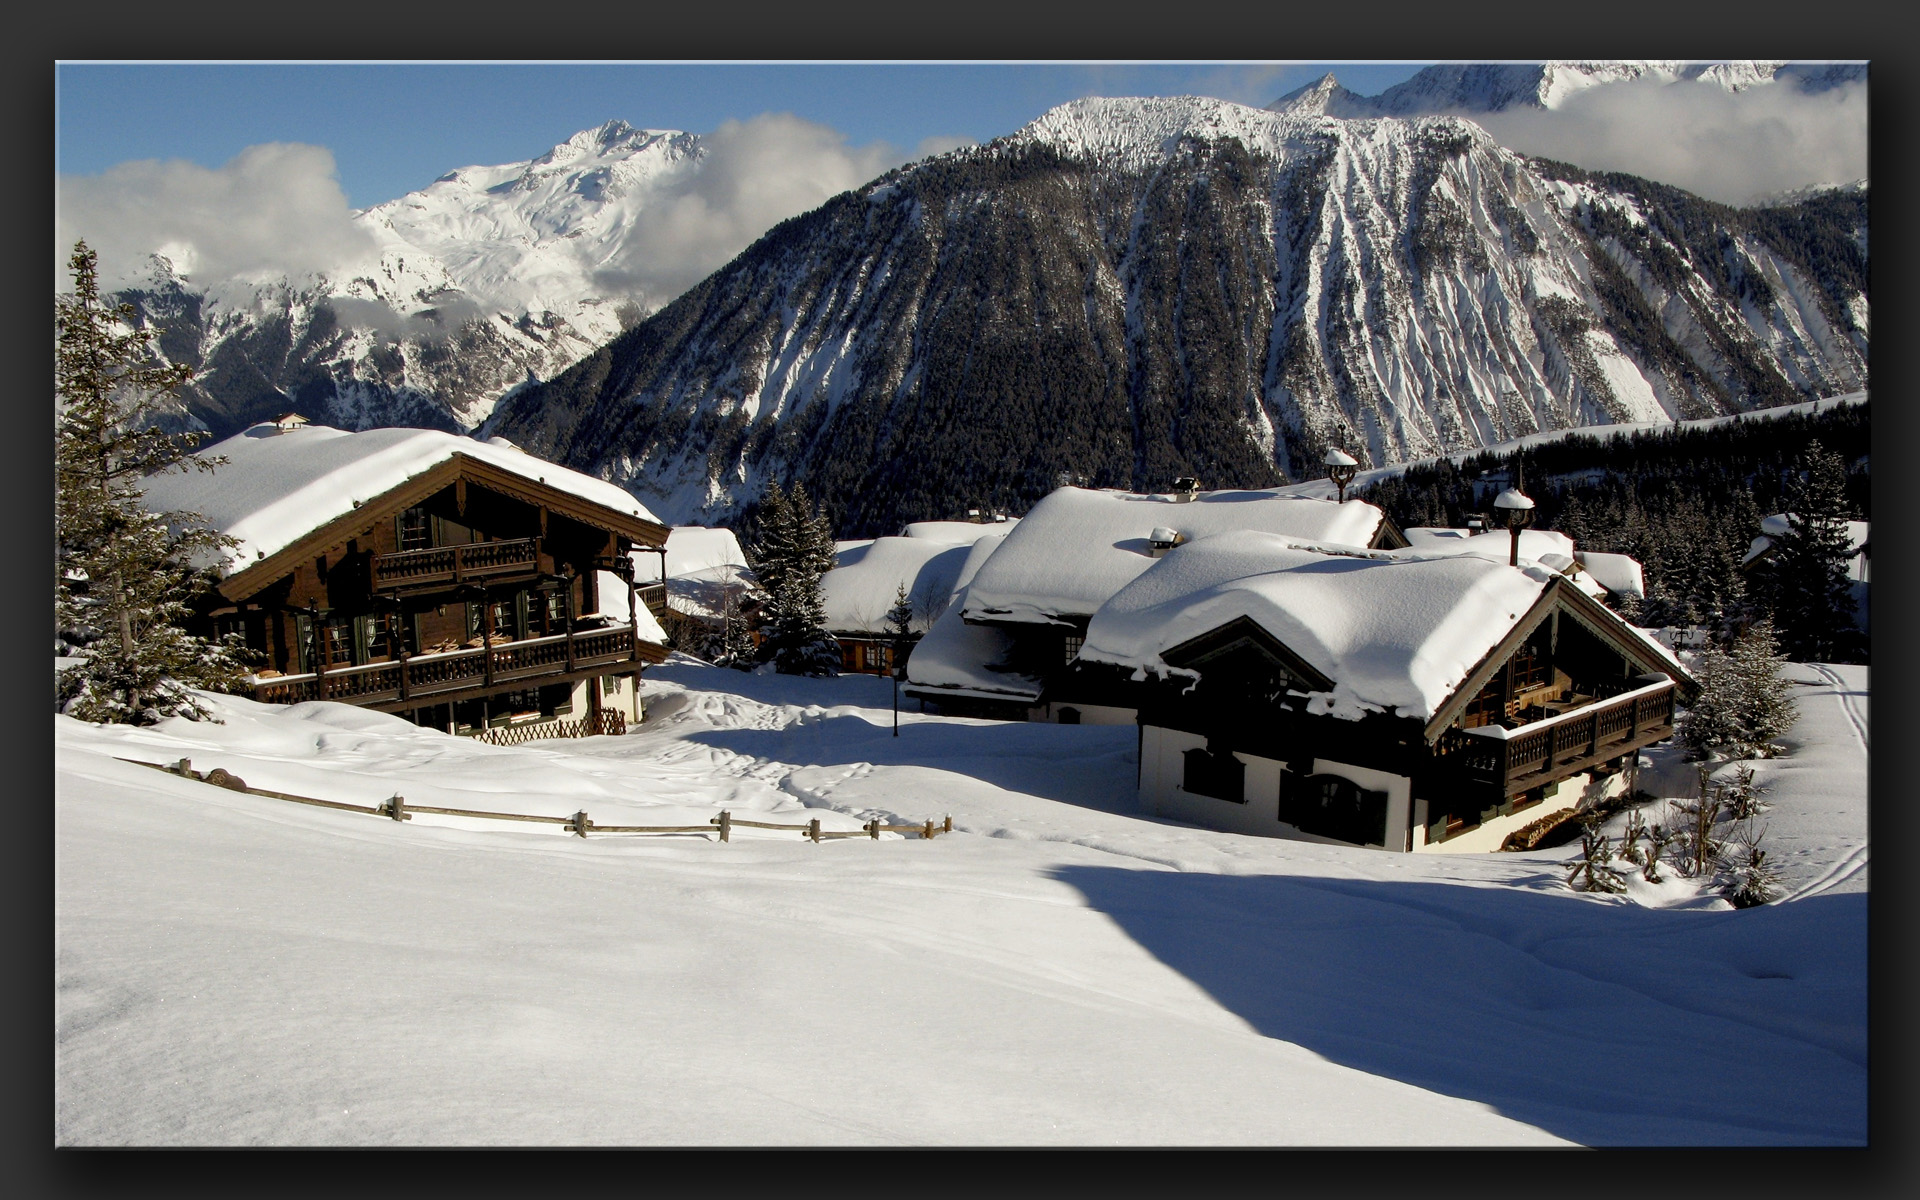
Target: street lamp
1516	510
1340	468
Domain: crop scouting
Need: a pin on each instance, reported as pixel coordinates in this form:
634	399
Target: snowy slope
1495	87
1129	290
486	277
231	969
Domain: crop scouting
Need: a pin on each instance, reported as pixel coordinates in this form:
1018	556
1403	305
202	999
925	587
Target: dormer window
1161	540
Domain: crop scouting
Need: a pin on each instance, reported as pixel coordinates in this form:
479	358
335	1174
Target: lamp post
1516	510
1340	468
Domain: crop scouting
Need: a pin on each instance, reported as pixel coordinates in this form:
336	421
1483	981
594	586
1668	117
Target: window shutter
362	636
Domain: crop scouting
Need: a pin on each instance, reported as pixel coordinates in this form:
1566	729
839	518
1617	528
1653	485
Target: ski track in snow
1849	703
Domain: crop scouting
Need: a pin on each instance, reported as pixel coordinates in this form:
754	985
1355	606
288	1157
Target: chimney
1185	489
1160	541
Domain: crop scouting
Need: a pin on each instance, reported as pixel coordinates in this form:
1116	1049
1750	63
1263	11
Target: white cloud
940	144
753	175
1734	147
275	207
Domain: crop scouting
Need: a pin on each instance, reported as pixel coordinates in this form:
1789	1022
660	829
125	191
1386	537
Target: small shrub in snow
1699	849
1593	870
1751	879
1742	800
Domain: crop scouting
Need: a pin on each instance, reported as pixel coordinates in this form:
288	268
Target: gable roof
861	588
1077	548
1393	632
284	492
1396	631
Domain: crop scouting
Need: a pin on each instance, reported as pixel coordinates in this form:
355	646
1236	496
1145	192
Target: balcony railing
428	675
1529	756
654	596
455	564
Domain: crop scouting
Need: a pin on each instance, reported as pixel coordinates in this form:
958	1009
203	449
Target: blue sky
392	128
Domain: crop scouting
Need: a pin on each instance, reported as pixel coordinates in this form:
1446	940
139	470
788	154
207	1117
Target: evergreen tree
900	626
1806	583
794	550
1743	703
125	576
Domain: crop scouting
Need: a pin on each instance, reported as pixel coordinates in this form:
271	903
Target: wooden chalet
1386	700
460	584
1030	602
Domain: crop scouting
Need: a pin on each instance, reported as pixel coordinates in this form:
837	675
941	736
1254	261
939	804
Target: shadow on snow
1603	1023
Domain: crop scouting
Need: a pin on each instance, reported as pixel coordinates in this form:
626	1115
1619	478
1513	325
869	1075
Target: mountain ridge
1127	290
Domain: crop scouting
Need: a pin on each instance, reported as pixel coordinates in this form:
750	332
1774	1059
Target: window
1070	647
337	641
1336	807
415	529
1218	774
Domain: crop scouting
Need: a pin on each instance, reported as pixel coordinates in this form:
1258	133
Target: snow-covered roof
959	533
1394	631
861	588
1078	547
1535	544
613	603
281	484
1776	526
958	658
692	550
1618	573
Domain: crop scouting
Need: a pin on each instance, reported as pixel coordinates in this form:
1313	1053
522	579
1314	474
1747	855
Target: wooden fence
579	824
607	722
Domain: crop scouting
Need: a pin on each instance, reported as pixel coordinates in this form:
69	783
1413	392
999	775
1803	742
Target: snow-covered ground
232	969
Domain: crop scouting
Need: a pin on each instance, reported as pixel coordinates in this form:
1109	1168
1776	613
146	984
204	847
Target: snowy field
232	969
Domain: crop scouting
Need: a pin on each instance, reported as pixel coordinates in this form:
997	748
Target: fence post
184	767
948	826
725	822
813	830
873	829
927	833
580	823
397	808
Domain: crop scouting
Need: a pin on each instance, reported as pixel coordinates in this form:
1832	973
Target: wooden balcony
428	677
1546	751
447	565
654	596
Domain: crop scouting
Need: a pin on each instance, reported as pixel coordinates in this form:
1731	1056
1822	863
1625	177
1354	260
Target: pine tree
1806	583
1767	709
1743	703
900	633
794	550
125	576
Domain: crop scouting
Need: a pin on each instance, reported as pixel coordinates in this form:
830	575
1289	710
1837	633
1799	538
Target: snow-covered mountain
486	278
1495	87
1131	290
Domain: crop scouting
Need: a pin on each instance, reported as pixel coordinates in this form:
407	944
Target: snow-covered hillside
1129	290
232	969
1496	87
487	277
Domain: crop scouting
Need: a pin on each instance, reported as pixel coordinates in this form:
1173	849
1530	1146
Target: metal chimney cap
1163	535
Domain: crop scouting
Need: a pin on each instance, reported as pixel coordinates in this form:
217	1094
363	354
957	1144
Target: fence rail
605	723
579	824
